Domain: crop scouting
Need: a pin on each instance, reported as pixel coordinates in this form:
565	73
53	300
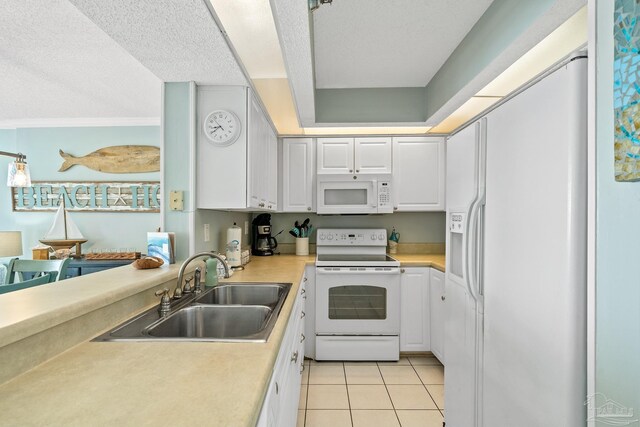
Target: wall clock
222	127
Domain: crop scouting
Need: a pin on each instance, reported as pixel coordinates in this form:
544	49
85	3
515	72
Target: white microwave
354	194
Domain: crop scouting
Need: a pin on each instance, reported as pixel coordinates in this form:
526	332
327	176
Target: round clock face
222	127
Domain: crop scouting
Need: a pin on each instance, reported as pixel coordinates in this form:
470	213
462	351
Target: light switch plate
176	200
207	233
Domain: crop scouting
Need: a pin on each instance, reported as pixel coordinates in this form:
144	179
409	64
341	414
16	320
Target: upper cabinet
298	175
354	155
238	172
418	173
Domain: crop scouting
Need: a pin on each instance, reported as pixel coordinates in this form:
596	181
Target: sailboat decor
64	233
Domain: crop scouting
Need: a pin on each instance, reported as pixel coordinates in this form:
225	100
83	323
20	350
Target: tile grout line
306	403
395	411
346	385
425	387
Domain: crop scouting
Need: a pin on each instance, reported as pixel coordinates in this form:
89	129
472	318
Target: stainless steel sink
235	312
214	321
245	294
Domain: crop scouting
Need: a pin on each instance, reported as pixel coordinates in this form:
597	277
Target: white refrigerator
515	332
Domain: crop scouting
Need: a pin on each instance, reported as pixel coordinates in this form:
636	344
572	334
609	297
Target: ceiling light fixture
315	4
18	174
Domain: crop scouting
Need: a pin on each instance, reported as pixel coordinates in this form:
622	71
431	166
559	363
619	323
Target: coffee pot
262	243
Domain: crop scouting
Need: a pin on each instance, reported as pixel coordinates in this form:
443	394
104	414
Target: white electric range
357	296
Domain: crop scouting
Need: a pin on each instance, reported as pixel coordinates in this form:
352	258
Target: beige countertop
145	383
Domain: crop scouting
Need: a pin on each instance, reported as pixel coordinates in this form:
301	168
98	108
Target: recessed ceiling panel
388	43
178	40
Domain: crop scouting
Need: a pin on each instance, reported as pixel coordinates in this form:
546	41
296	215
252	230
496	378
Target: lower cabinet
437	313
310	309
415	323
280	407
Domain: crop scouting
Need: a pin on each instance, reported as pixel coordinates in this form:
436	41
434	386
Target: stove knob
373	237
381	236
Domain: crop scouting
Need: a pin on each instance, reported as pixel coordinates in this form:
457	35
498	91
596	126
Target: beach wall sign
123	196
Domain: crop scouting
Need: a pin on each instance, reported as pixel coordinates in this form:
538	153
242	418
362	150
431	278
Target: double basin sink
234	312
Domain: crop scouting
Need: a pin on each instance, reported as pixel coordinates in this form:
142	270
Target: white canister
234	245
302	246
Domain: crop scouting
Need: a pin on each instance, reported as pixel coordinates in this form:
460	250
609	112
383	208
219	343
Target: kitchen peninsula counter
142	383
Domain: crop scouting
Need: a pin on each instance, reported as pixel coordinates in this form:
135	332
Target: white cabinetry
310	310
366	155
419	173
298	175
414	301
437	313
243	175
280	407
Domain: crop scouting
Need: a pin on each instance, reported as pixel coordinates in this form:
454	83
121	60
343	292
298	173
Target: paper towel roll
234	245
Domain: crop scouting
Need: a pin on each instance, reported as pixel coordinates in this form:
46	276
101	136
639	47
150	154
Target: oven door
357	300
344	197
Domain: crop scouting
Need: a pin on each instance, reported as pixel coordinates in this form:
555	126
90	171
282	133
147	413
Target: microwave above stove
354	194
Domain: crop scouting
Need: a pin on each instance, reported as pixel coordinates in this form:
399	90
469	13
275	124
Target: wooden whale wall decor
117	159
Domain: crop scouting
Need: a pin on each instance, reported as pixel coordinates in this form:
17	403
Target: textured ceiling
177	40
56	64
388	43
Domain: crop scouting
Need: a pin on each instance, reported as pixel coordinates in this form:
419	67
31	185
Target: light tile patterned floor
406	393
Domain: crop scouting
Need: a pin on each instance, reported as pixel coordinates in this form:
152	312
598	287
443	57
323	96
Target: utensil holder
302	246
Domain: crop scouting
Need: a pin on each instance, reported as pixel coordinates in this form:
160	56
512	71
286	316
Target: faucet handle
164	292
165	301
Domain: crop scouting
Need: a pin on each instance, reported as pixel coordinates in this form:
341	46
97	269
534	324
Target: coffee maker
262	243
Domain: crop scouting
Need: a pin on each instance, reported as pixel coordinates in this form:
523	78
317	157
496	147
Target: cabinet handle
294	357
355	177
303	291
357	170
309	208
402	270
442	298
302	368
395	208
302	314
305	279
303	337
350	170
277	388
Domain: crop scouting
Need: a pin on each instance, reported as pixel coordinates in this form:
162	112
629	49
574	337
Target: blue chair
26	269
42	280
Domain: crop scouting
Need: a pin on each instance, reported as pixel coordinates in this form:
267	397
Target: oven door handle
367	271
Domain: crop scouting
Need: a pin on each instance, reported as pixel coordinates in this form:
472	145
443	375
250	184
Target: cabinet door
372	155
438	313
297	174
272	175
310	310
414	305
419	173
255	155
335	155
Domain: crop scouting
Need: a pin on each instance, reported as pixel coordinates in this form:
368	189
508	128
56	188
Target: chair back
26	269
42	280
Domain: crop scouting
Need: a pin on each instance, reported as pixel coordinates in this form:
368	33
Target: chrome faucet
177	292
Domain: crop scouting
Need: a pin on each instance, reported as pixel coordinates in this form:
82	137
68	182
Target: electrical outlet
176	200
207	233
246	227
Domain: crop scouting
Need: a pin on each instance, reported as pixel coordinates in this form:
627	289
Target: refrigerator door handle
472	251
